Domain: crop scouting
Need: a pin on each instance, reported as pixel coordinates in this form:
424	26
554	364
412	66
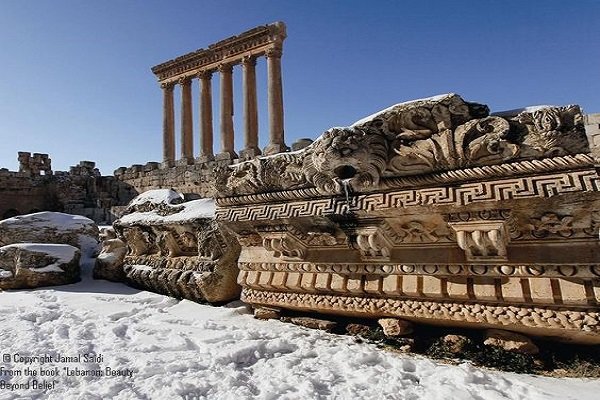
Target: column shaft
275	94
227	138
187	124
250	109
168	125
206	122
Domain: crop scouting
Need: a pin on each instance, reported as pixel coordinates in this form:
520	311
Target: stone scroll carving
437	134
176	248
431	210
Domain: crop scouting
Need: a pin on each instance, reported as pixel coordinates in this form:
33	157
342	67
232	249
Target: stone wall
195	180
192	180
81	190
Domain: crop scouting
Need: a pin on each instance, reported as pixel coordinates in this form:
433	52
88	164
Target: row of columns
251	149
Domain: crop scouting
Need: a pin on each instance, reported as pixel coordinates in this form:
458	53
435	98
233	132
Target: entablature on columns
253	43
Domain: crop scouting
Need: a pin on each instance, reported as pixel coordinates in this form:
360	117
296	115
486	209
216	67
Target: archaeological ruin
81	190
433	211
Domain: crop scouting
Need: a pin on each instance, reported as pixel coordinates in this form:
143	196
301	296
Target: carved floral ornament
415	138
551	223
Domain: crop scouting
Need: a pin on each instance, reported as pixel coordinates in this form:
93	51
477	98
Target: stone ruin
173	248
81	190
432	211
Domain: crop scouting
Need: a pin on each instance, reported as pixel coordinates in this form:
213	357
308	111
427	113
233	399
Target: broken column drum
433	211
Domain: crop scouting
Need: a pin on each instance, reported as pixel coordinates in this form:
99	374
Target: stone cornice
255	42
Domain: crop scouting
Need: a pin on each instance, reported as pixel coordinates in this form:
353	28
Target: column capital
167	85
274	52
205	75
185	80
225	68
249	61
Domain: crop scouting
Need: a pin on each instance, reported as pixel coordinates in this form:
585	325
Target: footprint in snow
123	314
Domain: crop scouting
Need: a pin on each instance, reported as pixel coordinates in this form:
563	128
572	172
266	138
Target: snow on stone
5	274
63	253
157	196
516	111
180	349
47	219
201	208
438	97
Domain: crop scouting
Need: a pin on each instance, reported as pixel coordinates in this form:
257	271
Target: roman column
250	109
168	125
187	134
227	149
206	122
275	94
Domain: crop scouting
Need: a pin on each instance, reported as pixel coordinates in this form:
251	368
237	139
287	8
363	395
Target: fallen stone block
393	327
510	341
31	265
50	227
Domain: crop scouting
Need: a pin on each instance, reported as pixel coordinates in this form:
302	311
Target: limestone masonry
432	211
81	190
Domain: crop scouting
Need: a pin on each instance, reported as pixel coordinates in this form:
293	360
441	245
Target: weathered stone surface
433	211
510	341
109	263
358	330
455	344
81	190
393	327
176	248
50	227
313	323
31	265
266	313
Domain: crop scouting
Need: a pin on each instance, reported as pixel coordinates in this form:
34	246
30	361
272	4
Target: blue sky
75	78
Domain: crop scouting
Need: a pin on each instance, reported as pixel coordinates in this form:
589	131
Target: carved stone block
432	211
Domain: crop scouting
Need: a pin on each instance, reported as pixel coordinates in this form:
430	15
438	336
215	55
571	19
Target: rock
393	327
510	341
31	265
267	313
455	344
358	330
177	248
313	323
405	345
50	227
109	263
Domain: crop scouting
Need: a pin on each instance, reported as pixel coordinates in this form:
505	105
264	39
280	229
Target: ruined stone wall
81	190
195	180
191	180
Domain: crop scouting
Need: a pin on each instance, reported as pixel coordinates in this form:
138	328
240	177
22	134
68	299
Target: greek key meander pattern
519	290
585	321
516	188
491	270
522	168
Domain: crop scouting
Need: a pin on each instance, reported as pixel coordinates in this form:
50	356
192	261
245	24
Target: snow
63	253
5	274
438	97
201	208
48	219
157	196
516	111
180	349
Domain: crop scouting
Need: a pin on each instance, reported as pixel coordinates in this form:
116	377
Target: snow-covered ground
170	349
